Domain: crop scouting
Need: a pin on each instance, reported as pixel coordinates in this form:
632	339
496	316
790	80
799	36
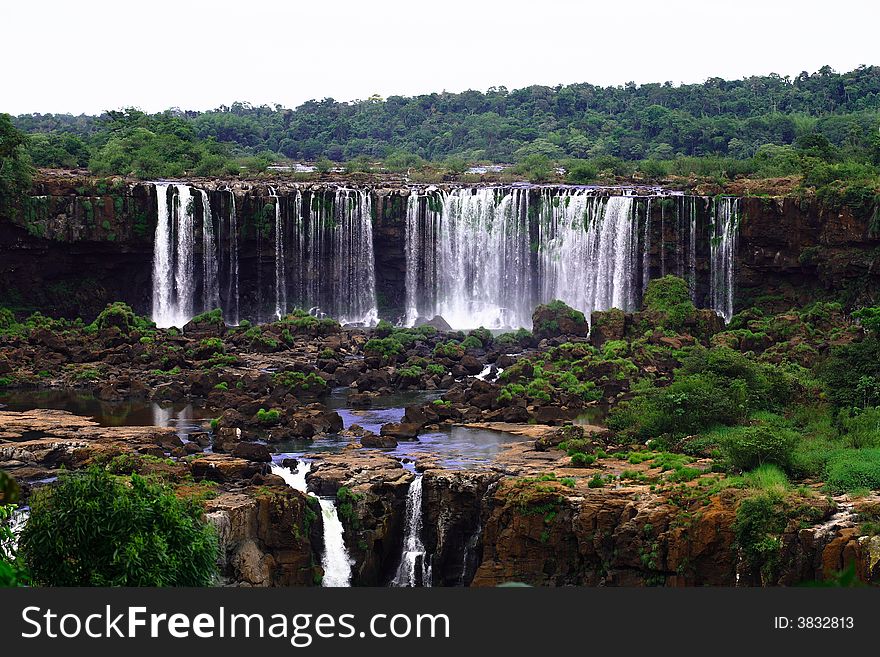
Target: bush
689	405
581	460
670	296
849	470
268	417
752	447
94	529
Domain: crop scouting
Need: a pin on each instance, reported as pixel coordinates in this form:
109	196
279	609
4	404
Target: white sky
91	55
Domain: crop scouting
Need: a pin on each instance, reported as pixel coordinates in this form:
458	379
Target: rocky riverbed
518	507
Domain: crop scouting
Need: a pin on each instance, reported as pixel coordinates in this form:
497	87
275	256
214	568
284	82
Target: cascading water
473	252
232	278
724	232
588	251
210	276
354	274
173	281
415	567
335	560
280	282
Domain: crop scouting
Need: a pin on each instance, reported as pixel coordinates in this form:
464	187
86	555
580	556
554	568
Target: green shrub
849	470
268	417
94	529
751	447
670	296
581	460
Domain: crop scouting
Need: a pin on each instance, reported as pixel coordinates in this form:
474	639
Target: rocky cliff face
792	252
78	243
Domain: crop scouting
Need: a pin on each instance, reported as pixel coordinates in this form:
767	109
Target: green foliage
346	506
760	520
852	374
153	146
670	296
94	529
269	417
300	382
210	317
869	318
581	460
752	447
720	129
852	470
121	316
15	164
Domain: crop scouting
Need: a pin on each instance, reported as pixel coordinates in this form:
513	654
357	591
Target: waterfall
173	284
587	251
335	561
280	284
692	249
413	260
163	272
354	275
210	284
722	243
415	568
232	276
470	250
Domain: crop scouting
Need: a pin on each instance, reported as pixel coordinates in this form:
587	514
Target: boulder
370	439
252	452
437	322
401	430
556	319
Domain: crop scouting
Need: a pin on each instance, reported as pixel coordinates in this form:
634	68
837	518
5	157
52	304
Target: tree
95	529
15	165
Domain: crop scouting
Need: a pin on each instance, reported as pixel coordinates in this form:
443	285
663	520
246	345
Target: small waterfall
335	560
232	277
280	283
724	232
646	248
173	284
415	568
210	276
692	248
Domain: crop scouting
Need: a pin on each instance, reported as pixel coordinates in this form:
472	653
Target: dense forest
821	126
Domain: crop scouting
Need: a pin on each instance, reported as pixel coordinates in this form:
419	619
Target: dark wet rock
370	439
437	322
226	438
401	430
252	452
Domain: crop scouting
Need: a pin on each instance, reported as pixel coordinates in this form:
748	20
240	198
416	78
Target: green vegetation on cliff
127	532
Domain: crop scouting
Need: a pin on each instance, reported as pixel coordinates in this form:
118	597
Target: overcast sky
91	55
